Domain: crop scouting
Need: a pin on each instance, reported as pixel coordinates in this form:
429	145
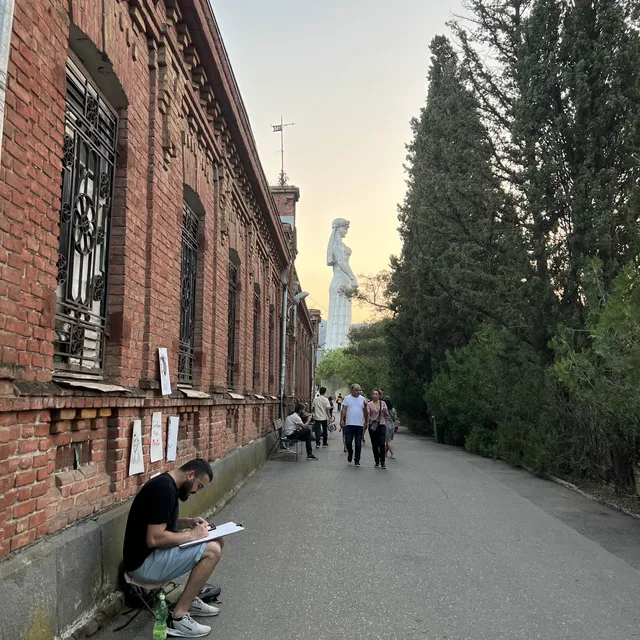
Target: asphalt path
441	545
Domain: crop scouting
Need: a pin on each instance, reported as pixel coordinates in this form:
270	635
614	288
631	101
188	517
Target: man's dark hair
323	390
299	407
200	466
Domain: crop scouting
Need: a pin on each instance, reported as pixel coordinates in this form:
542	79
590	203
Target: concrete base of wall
48	588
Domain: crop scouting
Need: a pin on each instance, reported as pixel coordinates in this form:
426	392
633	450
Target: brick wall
182	135
304	334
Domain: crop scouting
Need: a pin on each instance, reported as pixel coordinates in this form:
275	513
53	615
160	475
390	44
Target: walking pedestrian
332	416
321	408
353	420
377	413
391	423
339	400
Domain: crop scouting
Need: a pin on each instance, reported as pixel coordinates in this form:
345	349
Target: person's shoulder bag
374	424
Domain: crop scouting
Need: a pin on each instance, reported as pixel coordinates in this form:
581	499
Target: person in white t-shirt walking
353	419
321	408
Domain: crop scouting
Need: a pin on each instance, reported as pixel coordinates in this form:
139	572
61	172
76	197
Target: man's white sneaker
202	609
186	627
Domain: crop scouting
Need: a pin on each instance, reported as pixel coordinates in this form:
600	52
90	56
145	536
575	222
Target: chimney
286	198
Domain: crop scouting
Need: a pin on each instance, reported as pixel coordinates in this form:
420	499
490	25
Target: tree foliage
372	293
365	361
523	174
462	257
604	379
493	396
334	363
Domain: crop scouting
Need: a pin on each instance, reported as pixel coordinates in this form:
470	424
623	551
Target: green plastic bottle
160	624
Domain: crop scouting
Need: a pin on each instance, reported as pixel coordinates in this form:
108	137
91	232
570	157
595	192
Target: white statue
343	282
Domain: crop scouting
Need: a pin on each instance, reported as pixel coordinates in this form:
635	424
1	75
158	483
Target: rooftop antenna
279	128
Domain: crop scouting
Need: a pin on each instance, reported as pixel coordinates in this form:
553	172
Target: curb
584	494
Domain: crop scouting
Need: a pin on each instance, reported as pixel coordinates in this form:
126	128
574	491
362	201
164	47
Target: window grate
272	338
256	340
88	160
186	345
231	326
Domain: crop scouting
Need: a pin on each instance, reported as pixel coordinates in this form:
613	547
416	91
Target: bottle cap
161	595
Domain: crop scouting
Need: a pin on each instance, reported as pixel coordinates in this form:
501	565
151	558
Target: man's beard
185	490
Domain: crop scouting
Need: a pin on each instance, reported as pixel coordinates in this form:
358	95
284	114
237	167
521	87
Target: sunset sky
350	74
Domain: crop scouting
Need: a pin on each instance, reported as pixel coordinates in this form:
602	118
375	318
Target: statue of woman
343	282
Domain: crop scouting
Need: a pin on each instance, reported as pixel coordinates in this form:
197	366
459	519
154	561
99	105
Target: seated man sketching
154	531
296	429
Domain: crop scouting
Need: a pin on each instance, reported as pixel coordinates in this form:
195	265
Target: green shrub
481	441
496	398
602	381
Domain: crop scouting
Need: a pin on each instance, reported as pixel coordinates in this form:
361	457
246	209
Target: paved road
443	545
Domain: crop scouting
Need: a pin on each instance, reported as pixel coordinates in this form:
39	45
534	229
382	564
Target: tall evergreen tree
491	39
557	85
492	42
578	121
524	170
460	242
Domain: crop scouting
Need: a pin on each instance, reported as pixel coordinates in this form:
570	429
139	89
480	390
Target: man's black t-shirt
157	503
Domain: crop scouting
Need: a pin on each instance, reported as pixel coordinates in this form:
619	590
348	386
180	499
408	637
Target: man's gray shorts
167	564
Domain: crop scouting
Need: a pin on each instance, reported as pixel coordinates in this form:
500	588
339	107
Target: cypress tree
457	226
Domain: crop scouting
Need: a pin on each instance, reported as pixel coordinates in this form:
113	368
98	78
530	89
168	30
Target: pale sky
350	74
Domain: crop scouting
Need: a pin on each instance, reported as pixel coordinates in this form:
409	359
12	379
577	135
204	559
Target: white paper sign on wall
165	380
136	461
157	451
172	438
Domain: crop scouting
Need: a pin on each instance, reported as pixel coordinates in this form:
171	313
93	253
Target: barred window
234	274
256	338
188	273
88	161
272	338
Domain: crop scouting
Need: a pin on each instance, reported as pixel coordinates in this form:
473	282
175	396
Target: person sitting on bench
151	543
296	429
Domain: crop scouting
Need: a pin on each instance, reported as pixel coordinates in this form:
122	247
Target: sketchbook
219	532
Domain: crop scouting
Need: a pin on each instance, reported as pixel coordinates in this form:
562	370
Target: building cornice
207	37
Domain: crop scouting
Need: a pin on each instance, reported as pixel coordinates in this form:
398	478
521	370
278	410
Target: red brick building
134	215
